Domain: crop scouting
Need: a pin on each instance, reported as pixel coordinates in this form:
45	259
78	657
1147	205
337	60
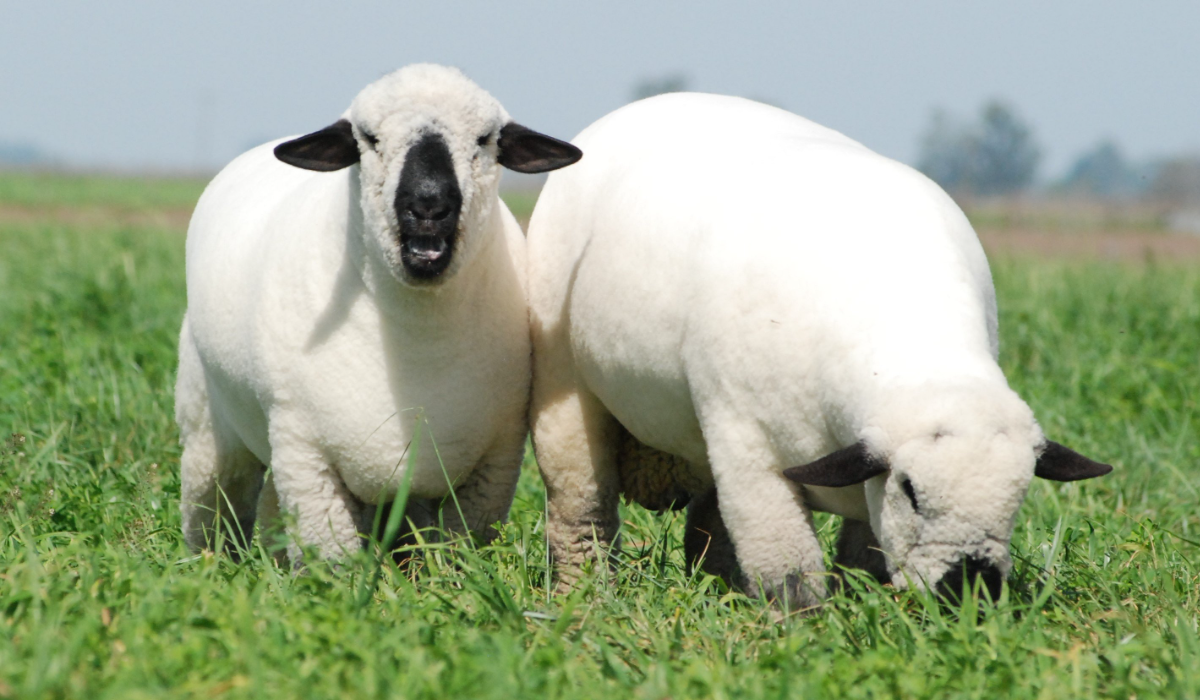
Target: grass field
99	598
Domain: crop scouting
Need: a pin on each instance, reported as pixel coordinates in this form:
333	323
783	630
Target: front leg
323	513
768	521
486	494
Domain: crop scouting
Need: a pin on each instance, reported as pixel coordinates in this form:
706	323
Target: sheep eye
907	487
483	140
372	140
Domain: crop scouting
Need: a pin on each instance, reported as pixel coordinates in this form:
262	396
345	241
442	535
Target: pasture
99	597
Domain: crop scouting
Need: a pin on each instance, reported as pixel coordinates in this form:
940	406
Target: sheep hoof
798	594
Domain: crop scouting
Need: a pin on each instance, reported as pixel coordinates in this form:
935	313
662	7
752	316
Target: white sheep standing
747	291
345	286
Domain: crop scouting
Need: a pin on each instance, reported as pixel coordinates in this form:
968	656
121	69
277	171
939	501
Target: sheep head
944	472
429	144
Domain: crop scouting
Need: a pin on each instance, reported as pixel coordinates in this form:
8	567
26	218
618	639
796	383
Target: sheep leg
270	524
220	477
221	483
484	497
419	514
323	513
857	548
769	524
572	436
706	541
653	479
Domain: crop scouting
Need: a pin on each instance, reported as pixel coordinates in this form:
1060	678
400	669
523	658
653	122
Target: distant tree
947	150
22	154
1007	157
996	156
650	87
1102	172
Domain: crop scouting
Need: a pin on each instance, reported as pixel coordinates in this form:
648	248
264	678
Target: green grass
52	189
99	597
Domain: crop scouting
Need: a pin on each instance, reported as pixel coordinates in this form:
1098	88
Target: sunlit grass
52	189
99	597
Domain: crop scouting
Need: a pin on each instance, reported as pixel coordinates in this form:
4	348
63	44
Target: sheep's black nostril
430	208
968	570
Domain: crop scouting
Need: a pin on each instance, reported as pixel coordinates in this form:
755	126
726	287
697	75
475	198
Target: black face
428	203
968	570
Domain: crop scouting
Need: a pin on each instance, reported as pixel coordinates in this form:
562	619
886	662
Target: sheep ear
331	148
526	151
1059	463
846	467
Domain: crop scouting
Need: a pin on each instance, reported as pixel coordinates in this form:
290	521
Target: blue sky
168	86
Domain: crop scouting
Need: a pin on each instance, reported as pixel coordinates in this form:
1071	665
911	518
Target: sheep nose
970	569
431	207
428	193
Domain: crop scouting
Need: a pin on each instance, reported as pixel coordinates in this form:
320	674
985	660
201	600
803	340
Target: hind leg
573	439
769	523
653	479
221	478
857	548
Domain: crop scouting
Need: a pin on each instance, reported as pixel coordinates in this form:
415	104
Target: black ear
331	148
846	467
527	151
1060	463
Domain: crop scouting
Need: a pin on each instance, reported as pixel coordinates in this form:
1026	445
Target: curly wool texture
752	291
401	107
308	348
653	479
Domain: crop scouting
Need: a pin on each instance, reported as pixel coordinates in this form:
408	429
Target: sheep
740	291
348	289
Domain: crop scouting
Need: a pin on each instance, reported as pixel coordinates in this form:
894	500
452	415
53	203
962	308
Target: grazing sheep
746	291
332	315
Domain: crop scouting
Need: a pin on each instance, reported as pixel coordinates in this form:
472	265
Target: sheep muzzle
969	570
428	204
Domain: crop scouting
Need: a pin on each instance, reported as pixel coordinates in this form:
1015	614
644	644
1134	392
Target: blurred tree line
649	87
997	154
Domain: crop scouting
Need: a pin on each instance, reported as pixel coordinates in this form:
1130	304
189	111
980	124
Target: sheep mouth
971	571
955	564
426	257
428	203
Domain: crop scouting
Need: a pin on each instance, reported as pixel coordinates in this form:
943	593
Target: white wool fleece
749	291
306	349
967	450
401	107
